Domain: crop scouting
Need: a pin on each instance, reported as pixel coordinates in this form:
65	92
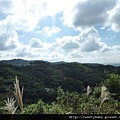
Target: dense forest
60	84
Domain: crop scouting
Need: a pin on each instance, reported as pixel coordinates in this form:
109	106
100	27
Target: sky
85	31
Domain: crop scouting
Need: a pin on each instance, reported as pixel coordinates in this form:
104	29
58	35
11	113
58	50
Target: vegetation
74	103
59	88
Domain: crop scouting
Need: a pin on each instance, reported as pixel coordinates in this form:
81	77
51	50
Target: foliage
74	103
113	85
34	108
41	81
39	76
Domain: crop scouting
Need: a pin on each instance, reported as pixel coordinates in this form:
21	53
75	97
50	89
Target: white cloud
76	54
18	15
110	38
22	16
9	39
69	45
91	45
6	5
25	14
24	52
114	17
39	8
37	53
87	41
14	7
77	13
90	40
50	30
7	55
53	6
36	43
25	21
88	13
28	52
54	56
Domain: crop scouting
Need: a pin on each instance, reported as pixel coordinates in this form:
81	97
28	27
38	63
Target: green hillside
61	84
41	79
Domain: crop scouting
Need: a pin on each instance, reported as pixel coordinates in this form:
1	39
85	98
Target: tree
71	84
113	85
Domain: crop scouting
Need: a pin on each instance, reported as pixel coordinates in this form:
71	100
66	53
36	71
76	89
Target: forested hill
17	62
41	79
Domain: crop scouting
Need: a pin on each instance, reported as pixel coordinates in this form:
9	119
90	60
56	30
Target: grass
10	105
18	94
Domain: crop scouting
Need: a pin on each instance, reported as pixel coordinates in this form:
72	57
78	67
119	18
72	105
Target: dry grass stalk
104	97
89	90
18	93
10	105
104	94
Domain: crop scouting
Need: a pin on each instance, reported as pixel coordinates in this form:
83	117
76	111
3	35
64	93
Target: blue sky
85	31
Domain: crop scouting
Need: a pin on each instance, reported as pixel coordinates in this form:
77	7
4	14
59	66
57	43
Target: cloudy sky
60	30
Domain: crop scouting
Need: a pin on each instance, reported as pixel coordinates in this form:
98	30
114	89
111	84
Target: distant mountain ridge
21	62
17	62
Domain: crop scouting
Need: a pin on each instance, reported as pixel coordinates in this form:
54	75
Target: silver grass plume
89	90
10	105
18	94
104	94
104	97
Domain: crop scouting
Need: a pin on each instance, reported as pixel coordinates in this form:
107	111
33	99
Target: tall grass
104	97
10	105
18	94
89	90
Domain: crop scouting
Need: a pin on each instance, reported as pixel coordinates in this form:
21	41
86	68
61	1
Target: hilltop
21	62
